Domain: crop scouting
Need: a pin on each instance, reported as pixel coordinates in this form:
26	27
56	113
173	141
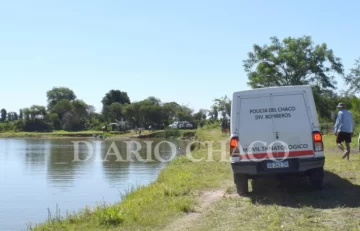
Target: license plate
282	164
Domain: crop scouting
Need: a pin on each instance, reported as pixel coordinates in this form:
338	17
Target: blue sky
185	51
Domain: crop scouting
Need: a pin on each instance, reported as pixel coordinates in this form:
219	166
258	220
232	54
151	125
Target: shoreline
183	134
55	134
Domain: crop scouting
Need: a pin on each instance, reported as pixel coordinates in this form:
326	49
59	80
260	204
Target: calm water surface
37	175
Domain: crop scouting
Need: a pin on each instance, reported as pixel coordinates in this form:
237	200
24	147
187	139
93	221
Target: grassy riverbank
51	134
176	192
169	133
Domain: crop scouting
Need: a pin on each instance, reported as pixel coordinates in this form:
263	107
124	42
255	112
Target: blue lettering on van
286	112
282	115
272	110
261	110
280	109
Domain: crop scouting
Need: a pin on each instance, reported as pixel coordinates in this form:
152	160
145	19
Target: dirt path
205	200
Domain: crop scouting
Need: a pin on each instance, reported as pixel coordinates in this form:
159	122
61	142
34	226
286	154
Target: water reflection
133	162
60	171
36	152
41	174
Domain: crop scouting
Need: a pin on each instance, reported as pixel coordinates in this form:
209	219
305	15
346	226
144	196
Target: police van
275	131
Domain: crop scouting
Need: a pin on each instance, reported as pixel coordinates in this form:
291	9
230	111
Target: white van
275	131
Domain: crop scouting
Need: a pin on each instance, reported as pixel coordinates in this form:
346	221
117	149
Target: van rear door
254	129
274	125
293	123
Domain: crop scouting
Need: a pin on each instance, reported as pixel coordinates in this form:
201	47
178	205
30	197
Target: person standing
344	129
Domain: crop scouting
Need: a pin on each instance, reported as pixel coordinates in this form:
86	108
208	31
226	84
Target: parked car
189	125
174	125
181	125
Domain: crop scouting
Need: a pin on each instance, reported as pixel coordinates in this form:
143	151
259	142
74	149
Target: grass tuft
111	216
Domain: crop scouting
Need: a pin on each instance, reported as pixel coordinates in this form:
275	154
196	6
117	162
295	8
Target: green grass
329	138
287	206
169	133
60	133
291	205
146	134
330	142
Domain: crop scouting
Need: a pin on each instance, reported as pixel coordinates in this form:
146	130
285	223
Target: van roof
277	88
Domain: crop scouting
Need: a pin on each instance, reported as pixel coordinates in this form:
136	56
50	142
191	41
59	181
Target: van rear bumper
260	168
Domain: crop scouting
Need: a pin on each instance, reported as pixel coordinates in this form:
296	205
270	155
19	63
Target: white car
174	125
189	125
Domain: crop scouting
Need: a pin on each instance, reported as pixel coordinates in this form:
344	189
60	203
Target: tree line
65	111
286	62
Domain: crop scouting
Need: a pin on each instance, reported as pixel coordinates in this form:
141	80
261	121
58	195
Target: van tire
241	182
316	177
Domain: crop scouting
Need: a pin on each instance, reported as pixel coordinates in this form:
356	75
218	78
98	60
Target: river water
39	177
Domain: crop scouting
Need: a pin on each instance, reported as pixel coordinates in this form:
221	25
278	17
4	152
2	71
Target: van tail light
318	142
234	141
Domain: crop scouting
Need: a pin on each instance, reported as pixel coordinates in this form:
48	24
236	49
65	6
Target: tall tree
12	116
170	110
21	114
132	113
3	113
325	101
59	93
214	112
37	111
113	96
154	100
62	107
200	115
292	61
80	109
223	105
185	113
26	113
151	112
116	111
353	78
91	109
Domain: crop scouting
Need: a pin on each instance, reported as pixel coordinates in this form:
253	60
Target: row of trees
65	111
291	61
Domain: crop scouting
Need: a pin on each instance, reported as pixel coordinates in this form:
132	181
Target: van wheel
241	182
316	177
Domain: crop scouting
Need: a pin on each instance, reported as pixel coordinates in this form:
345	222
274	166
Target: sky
188	51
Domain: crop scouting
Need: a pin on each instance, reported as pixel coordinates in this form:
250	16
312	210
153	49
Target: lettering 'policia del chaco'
280	112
